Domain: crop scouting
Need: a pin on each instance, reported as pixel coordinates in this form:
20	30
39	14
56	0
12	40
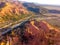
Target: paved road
15	26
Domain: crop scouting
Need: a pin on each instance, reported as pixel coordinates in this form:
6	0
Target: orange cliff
41	33
13	8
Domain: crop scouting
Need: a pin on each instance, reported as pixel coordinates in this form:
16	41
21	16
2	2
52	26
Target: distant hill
35	8
51	8
54	11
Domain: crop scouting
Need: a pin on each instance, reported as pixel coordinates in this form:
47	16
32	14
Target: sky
49	2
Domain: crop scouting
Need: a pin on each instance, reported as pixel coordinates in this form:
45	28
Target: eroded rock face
41	33
12	8
35	33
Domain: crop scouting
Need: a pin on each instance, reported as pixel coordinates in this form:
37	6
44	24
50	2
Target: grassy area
11	19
